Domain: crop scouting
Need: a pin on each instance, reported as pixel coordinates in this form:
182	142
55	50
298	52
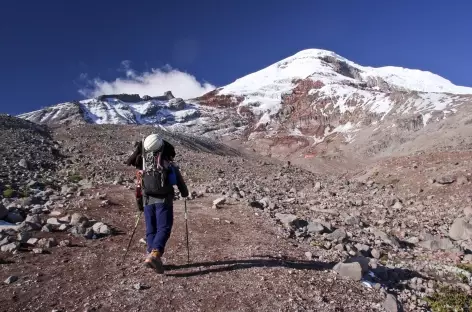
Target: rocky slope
394	233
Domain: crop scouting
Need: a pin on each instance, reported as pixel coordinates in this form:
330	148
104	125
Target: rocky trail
265	235
238	263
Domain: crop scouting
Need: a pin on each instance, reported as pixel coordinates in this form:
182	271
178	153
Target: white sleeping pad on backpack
153	143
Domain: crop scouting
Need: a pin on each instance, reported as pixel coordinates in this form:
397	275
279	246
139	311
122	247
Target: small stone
339	247
38	250
309	255
11	279
315	227
353	268
23	237
34	219
138	286
10	247
53	221
375	253
218	202
77	218
101	228
65	219
352	220
317	186
24	163
337	235
65	243
460	230
445	180
63	227
55	213
32	241
397	205
391	304
47	242
47	228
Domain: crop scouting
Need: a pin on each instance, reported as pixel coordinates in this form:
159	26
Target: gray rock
34	219
375	253
388	239
78	218
101	229
351	220
11	247
218	202
445	180
391	304
65	219
38	250
315	227
65	243
460	230
353	268
3	212
32	241
397	205
4	241
317	186
11	279
53	221
309	255
47	242
438	244
14	217
176	104
337	235
24	163
290	221
47	228
23	237
63	227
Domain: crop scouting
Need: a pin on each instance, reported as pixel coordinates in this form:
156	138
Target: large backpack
158	175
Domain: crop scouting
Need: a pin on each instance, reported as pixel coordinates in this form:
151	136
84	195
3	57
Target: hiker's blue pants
159	219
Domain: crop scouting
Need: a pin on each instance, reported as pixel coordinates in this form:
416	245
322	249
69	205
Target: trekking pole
186	232
131	238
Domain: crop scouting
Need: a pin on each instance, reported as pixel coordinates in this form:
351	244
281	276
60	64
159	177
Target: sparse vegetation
448	299
465	266
8	192
75	178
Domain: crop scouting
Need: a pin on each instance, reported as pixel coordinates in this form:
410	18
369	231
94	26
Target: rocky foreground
390	236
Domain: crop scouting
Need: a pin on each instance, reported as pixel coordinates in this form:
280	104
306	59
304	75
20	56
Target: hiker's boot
154	261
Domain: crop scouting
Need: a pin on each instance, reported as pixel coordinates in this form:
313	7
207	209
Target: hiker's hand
139	203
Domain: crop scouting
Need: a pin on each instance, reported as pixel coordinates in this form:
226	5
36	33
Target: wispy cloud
154	82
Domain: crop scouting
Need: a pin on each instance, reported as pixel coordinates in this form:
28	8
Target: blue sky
50	50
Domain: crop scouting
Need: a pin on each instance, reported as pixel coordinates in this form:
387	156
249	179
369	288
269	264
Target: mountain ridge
307	98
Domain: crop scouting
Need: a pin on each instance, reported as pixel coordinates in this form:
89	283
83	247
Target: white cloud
153	83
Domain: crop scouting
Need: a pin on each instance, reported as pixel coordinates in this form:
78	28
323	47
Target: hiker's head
153	143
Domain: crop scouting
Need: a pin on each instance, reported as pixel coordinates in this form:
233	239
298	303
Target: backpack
158	174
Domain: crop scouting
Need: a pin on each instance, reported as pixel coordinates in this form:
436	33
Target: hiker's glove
139	203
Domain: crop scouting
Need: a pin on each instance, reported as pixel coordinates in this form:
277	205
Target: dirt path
237	264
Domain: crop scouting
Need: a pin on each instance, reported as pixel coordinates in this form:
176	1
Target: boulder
14	217
353	268
460	230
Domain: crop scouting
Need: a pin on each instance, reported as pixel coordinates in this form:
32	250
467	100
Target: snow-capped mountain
299	101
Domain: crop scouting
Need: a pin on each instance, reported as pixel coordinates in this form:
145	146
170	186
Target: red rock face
213	99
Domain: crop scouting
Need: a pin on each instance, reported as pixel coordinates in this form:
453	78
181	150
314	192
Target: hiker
155	193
